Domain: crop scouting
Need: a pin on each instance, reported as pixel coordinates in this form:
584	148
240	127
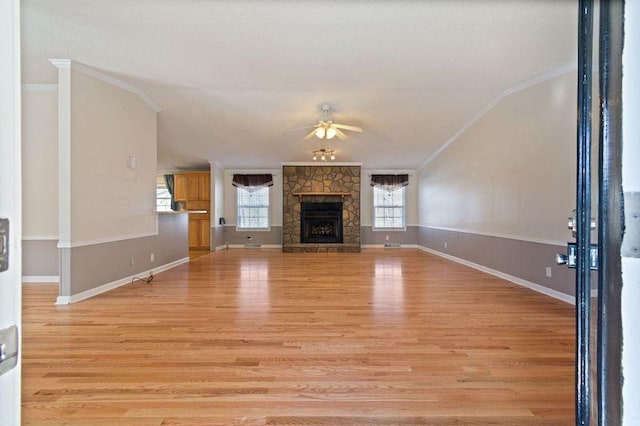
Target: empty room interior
301	212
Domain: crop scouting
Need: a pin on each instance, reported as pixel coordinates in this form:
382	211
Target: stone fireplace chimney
321	208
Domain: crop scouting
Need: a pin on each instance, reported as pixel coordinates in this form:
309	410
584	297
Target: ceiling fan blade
293	129
340	134
312	133
347	127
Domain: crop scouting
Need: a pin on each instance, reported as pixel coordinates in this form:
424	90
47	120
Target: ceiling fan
327	129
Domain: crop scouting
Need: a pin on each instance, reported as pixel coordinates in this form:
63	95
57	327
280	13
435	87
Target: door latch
8	348
570	259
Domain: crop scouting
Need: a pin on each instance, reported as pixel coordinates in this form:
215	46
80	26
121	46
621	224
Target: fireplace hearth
321	223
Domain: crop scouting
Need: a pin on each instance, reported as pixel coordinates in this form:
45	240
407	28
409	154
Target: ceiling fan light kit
324	153
326	130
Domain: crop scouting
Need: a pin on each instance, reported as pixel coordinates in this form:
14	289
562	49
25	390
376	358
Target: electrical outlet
548	271
132	261
445	244
386	237
152	258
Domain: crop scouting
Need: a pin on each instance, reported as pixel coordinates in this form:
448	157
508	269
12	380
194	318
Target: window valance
252	181
389	182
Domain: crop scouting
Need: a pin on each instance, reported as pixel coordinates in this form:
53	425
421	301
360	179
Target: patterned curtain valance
389	182
252	181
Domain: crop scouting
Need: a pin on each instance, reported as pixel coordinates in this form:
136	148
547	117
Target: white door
10	206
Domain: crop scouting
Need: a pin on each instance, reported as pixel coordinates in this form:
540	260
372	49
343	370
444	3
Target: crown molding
321	163
409	172
216	164
231	172
68	63
556	72
61	63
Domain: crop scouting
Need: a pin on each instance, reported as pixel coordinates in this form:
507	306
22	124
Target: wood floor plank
261	337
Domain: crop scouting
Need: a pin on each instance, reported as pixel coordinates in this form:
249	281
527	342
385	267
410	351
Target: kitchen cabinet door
180	187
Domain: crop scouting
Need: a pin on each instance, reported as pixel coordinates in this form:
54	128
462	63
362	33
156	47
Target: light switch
131	162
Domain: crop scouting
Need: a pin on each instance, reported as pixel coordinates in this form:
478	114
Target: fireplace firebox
321	223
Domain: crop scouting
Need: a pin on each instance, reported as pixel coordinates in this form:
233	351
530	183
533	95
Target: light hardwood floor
260	337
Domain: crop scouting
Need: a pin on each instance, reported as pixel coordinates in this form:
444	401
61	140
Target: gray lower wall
40	258
217	237
172	241
522	259
87	267
406	237
231	236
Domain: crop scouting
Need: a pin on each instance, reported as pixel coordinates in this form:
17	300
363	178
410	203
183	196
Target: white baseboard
411	246
167	266
46	279
519	281
222	247
237	246
66	300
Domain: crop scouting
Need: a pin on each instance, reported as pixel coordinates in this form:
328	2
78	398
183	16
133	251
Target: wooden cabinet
194	234
192	186
204	186
205	233
180	187
196	190
199	232
198	186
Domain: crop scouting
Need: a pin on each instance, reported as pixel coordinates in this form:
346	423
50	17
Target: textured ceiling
237	79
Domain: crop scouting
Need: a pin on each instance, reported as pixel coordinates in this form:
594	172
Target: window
388	209
253	207
163	198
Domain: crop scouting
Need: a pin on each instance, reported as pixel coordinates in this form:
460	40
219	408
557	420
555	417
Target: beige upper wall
110	201
512	173
40	162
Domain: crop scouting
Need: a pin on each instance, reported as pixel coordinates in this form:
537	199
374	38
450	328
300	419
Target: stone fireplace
321	208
